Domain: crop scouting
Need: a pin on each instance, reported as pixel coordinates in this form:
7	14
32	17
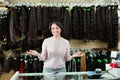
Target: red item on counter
113	65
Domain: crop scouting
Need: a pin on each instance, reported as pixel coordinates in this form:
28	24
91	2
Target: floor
6	76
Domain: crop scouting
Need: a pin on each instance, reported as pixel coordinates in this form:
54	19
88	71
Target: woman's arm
78	54
33	52
43	55
69	57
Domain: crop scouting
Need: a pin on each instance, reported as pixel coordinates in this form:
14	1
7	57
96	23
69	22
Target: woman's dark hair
58	23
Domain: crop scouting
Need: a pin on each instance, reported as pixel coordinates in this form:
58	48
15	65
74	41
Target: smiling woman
55	50
56	29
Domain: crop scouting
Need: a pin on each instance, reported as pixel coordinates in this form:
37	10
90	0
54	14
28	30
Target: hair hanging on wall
2	60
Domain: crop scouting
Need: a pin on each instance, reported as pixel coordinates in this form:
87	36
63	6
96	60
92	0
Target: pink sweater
55	52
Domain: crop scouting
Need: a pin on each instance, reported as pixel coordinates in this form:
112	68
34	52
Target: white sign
114	54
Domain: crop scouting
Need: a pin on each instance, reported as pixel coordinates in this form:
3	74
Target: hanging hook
53	3
57	3
74	3
67	3
50	3
62	3
43	3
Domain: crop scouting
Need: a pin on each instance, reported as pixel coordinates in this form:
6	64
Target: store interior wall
81	1
69	3
74	43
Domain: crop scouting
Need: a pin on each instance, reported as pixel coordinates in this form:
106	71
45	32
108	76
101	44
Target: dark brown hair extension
2	59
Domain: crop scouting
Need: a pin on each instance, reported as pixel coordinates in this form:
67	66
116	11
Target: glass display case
89	75
49	76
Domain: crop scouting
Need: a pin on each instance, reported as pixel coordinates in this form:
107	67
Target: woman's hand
33	52
78	54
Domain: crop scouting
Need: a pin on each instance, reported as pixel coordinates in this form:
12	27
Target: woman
55	50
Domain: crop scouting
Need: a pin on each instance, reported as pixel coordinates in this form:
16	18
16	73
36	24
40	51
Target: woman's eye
52	28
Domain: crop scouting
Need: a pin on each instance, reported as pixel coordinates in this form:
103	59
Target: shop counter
66	76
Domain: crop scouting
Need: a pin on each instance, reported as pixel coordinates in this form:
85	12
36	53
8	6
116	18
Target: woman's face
56	30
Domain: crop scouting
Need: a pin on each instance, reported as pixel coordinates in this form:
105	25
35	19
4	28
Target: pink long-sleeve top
55	52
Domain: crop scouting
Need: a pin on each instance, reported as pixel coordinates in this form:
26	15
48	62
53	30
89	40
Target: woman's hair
58	23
